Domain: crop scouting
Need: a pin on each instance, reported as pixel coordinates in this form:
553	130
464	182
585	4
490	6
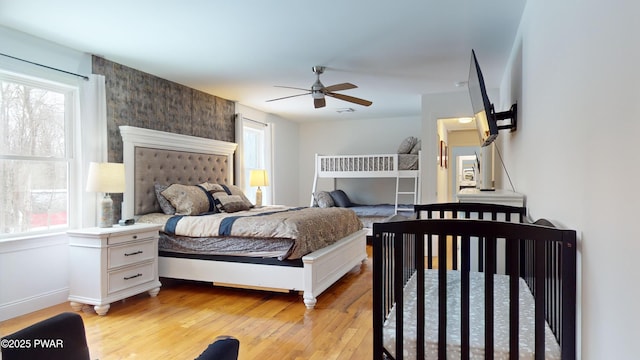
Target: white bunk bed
398	166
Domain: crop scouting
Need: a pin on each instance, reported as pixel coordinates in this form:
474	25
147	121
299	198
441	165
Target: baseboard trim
33	303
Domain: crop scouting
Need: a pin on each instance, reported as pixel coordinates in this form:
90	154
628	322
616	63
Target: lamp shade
106	177
258	178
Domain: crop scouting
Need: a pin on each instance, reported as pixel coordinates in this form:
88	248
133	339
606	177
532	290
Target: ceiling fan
318	91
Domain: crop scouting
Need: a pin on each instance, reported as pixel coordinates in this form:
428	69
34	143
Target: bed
158	161
368	214
404	164
525	312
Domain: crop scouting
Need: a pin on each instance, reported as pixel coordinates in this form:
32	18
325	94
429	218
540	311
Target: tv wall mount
512	114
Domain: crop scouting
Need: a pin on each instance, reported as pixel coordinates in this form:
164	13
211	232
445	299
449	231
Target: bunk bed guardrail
383	165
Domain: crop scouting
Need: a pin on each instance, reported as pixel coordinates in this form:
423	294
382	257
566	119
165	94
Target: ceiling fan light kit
318	91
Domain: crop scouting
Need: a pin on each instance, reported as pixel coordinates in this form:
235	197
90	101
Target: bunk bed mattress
282	232
370	214
476	314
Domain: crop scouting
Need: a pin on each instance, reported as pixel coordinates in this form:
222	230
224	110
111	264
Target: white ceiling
238	50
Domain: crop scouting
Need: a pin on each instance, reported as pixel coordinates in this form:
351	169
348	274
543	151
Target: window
35	155
256	154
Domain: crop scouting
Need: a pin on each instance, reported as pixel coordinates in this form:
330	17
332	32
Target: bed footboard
539	259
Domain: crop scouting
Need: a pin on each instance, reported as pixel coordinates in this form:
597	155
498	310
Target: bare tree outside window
34	164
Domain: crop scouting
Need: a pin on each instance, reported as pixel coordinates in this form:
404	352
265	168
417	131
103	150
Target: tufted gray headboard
167	167
152	156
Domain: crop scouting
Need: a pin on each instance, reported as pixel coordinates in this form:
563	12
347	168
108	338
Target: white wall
34	272
434	107
343	137
285	158
574	73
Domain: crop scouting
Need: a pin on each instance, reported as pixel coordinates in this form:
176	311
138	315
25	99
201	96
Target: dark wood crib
501	256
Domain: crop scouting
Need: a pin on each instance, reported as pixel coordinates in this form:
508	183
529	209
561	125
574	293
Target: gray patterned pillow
229	190
407	144
164	203
188	199
235	190
229	203
323	199
416	148
212	188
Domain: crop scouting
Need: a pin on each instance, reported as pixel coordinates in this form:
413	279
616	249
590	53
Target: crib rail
480	211
470	211
544	256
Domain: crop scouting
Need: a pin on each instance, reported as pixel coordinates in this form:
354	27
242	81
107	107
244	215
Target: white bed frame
367	166
320	269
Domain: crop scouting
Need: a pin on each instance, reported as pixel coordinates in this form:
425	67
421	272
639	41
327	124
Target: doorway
460	137
465	172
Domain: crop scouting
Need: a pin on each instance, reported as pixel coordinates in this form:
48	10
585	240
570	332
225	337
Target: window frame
71	92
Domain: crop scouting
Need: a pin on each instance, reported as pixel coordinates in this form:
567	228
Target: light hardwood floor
186	316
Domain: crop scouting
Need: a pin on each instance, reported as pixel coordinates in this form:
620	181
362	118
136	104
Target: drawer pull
132	276
133	253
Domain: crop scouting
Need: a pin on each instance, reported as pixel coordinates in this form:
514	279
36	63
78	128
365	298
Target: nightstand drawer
119	239
130	277
131	253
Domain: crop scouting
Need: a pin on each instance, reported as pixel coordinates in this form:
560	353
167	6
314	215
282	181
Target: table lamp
258	178
107	178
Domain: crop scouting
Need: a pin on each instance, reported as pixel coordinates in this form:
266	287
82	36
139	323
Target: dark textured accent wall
139	99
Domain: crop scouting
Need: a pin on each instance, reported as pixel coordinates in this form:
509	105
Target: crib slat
481	250
539	300
379	306
465	331
512	250
398	293
454	253
489	298
419	266
551	294
442	296
568	266
429	252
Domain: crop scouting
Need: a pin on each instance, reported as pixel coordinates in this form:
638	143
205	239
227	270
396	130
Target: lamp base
106	212
258	197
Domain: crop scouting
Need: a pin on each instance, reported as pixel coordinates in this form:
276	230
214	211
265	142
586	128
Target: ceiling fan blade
319	103
286	97
338	87
348	98
290	87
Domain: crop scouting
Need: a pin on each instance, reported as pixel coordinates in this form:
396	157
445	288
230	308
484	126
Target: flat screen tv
483	110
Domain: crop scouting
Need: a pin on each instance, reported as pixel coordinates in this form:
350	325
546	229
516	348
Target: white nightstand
110	264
